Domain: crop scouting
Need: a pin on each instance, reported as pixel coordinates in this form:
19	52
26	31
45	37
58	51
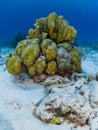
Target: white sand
16	96
90	62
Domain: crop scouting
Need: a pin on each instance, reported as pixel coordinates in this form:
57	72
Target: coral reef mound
47	49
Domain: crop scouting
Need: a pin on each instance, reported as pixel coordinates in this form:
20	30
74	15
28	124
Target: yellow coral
44	35
71	34
55	120
50	54
38	67
75	61
49	48
30	53
58	22
14	64
32	70
65	45
21	45
40	64
51	25
34	33
31	31
42	22
62	31
51	68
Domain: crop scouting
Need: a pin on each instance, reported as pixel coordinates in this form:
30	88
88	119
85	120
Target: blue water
20	15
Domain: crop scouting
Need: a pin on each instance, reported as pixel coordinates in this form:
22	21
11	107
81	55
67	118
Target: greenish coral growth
55	120
38	67
55	28
47	49
30	54
14	64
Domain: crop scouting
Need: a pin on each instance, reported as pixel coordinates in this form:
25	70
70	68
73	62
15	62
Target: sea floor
90	61
17	95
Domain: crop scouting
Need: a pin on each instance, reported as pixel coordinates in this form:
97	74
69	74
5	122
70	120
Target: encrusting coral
47	49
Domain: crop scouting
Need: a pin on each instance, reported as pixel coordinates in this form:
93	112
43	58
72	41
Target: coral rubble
62	106
68	100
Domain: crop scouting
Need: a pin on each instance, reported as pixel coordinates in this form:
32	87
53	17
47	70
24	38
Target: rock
55	79
76	86
39	78
84	91
65	107
90	78
59	87
76	76
93	96
97	76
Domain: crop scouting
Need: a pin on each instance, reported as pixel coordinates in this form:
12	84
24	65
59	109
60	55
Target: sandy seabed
17	95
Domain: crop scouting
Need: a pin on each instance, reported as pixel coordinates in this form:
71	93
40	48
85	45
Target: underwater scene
49	65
